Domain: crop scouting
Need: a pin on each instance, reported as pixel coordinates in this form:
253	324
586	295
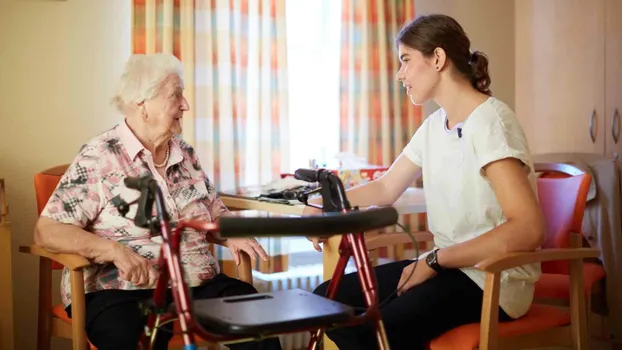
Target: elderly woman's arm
58	237
75	204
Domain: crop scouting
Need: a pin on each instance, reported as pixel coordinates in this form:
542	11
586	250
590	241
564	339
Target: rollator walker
263	315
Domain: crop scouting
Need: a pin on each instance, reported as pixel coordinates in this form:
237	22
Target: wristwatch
432	261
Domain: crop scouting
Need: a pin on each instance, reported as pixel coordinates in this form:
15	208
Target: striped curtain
235	73
377	119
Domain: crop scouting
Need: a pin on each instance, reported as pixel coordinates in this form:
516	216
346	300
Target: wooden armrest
392	238
71	261
504	262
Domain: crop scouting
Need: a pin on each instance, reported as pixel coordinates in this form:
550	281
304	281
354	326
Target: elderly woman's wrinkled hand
248	245
133	267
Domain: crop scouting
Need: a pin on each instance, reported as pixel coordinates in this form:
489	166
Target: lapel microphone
459	133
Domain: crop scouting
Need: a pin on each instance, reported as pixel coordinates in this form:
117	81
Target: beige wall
58	64
490	26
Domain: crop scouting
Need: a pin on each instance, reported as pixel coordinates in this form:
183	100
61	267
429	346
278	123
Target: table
412	201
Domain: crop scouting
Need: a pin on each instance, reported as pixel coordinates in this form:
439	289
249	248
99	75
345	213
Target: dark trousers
114	320
412	320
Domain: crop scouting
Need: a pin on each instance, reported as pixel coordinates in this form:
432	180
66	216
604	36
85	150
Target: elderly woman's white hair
143	77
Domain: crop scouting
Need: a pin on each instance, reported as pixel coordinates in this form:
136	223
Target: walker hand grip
138	183
316	225
308	175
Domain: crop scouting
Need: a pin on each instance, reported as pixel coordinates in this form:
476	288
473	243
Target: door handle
615	126
592	126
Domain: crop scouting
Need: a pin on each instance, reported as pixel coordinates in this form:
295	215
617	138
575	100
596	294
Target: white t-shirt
460	201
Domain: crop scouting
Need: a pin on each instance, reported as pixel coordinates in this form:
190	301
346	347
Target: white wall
59	61
490	26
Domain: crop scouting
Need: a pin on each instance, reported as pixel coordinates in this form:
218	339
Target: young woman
480	196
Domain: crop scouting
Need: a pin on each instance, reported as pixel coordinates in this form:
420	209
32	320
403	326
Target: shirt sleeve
415	148
500	140
78	195
214	204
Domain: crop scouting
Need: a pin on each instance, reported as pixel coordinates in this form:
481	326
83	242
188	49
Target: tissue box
355	177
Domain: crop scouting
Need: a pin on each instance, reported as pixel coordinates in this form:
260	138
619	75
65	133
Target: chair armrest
71	261
392	238
507	261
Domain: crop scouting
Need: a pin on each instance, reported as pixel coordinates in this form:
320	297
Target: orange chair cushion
557	286
539	317
59	312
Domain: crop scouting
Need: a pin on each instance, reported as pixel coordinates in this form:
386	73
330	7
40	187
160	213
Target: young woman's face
417	74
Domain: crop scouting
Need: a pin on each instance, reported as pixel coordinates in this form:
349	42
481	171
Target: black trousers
412	320
114	321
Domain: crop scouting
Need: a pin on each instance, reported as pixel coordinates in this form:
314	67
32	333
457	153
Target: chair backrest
46	182
562	192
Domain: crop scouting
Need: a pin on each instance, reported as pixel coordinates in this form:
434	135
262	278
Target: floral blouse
84	197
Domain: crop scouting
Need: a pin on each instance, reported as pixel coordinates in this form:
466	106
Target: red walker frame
352	245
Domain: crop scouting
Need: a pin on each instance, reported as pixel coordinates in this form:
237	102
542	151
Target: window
313	44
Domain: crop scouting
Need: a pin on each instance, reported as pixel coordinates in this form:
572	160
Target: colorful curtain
377	117
235	73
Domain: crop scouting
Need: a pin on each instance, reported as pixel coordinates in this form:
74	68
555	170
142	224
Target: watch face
431	258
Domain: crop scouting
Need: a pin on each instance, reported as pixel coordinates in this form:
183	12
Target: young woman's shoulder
494	113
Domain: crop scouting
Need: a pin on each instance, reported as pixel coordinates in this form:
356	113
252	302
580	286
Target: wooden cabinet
569	74
613	70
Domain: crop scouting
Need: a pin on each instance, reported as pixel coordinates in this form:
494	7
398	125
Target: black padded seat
265	313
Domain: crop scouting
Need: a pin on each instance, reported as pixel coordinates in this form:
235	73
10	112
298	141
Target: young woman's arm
524	229
381	192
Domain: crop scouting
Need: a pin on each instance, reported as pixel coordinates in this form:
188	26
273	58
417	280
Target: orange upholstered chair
52	319
555	281
563	201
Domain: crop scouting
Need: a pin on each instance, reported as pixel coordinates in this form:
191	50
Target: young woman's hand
409	279
315	240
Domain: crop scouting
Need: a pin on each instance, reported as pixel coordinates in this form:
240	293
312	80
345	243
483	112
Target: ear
140	106
440	58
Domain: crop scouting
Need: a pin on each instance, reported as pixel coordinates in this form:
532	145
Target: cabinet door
560	74
613	70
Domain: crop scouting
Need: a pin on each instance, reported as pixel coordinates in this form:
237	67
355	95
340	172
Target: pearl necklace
165	159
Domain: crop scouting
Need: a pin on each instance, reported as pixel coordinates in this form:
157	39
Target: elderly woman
80	218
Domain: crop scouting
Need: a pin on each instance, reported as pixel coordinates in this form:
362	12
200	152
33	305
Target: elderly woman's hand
133	267
248	245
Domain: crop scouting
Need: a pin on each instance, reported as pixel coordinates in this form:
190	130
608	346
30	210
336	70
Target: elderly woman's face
166	109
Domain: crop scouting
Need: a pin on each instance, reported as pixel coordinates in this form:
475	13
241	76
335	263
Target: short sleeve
415	148
77	197
501	139
214	204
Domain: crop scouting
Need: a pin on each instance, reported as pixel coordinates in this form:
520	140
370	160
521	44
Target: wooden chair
53	320
6	279
543	325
